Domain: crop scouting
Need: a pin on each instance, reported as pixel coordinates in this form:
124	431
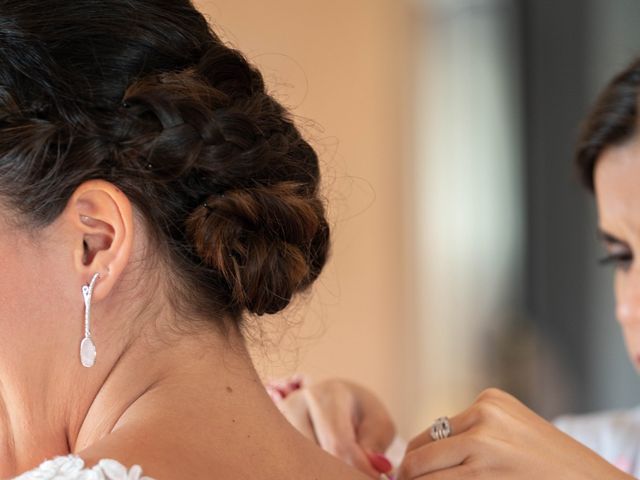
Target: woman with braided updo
153	194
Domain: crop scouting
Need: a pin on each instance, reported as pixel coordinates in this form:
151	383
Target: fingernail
283	392
380	462
274	393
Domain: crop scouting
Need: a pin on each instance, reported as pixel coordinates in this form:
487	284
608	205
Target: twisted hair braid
151	100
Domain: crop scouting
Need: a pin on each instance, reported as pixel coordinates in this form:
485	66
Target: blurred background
465	251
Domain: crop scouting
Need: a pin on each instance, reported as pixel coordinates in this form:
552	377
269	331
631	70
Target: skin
499	438
343	418
618	202
180	402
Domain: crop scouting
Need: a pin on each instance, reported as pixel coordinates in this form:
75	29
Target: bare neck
50	408
186	410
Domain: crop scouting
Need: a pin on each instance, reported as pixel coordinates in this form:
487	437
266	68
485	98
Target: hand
498	438
345	419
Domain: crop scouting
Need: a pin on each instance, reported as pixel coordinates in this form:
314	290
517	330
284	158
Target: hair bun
266	242
151	100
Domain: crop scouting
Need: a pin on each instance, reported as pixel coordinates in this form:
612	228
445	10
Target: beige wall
343	65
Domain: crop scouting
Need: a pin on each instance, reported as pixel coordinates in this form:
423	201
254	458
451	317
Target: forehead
617	184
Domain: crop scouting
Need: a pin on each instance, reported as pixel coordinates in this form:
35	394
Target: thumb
375	428
379	462
375	435
335	432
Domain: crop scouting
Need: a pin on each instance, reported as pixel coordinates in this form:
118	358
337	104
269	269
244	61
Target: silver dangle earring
87	347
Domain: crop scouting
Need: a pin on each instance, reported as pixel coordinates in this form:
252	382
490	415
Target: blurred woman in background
500	438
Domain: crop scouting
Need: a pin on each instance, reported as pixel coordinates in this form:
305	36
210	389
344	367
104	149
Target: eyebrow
610	239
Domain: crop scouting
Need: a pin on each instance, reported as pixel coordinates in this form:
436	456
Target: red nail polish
380	462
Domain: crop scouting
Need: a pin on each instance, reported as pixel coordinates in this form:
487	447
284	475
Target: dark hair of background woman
611	121
143	94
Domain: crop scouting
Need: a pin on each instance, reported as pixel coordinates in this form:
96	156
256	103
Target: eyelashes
619	253
618	260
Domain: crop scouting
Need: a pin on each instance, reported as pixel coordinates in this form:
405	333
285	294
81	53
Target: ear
99	217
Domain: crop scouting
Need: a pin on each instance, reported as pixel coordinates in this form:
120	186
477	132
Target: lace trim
71	467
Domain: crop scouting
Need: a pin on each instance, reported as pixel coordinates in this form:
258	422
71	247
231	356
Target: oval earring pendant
87	347
87	352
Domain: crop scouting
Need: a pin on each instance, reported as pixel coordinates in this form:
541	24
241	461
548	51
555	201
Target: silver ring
441	429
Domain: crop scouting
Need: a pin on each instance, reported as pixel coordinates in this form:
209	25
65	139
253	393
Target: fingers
379	462
459	424
345	419
327	431
460	455
332	420
462	472
375	429
426	457
294	408
434	456
331	416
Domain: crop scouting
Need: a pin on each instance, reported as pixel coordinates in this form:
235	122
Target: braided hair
143	94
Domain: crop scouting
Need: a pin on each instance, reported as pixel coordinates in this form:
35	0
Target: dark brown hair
142	93
611	121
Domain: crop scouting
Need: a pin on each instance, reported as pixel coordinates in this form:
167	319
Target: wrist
604	469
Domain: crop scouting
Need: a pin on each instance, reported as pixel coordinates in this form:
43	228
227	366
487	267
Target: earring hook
87	347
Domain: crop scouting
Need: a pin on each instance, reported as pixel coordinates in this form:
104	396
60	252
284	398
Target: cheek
627	293
31	302
628	313
18	288
632	342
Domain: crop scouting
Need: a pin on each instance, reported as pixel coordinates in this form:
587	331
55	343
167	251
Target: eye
620	260
619	253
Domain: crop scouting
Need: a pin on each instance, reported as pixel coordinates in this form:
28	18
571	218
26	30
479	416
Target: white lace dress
614	435
71	467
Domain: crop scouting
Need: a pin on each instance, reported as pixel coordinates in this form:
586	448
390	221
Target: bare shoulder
162	456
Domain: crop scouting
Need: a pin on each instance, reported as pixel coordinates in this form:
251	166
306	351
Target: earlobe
101	219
